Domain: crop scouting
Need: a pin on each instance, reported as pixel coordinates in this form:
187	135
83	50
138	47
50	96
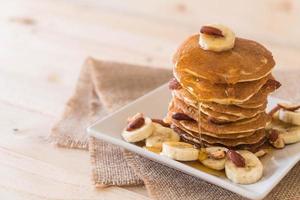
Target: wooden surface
44	43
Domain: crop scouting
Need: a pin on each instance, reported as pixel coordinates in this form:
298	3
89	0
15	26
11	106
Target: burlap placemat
106	86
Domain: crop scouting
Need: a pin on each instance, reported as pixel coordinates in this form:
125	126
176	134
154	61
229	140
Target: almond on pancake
246	61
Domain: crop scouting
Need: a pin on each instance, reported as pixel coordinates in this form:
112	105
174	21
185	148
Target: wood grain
44	43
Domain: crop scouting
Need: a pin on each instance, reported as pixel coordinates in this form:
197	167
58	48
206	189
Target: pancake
246	61
257	101
235	110
217	116
247	125
260	98
204	90
252	139
205	132
232	145
184	95
193	112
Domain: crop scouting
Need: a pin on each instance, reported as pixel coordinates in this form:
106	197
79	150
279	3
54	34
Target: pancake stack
219	98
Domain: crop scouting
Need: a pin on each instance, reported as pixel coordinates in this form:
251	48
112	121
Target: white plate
155	105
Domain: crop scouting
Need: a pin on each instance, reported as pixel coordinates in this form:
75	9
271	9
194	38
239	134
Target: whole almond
236	158
209	30
271	83
174	84
161	122
182	116
273	135
135	124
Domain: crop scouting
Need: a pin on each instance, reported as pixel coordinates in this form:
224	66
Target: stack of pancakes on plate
219	98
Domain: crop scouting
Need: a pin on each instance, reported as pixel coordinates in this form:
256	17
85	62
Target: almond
273	135
209	30
161	122
174	84
182	116
276	139
236	158
135	124
271	83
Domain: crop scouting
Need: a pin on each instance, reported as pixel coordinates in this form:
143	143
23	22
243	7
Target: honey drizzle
199	103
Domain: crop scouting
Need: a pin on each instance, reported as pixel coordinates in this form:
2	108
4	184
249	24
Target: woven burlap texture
106	86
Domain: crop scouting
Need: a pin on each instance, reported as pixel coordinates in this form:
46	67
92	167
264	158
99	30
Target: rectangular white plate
155	104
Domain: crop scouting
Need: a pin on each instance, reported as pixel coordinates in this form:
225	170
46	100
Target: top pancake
246	61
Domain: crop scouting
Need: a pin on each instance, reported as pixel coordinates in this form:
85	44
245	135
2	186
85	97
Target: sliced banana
292	135
213	43
140	133
214	163
180	151
161	134
260	153
292	117
153	149
251	173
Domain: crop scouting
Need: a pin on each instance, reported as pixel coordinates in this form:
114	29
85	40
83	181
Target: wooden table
44	43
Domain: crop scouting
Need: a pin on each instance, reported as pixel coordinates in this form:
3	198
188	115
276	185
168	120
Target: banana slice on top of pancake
216	37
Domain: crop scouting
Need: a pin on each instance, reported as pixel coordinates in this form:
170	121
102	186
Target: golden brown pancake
246	125
258	100
238	93
259	139
246	61
217	116
252	139
235	110
261	97
205	132
183	95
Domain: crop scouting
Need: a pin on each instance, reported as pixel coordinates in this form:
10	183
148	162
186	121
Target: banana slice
222	42
216	158
292	117
251	173
139	134
180	151
260	153
292	135
153	149
161	134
